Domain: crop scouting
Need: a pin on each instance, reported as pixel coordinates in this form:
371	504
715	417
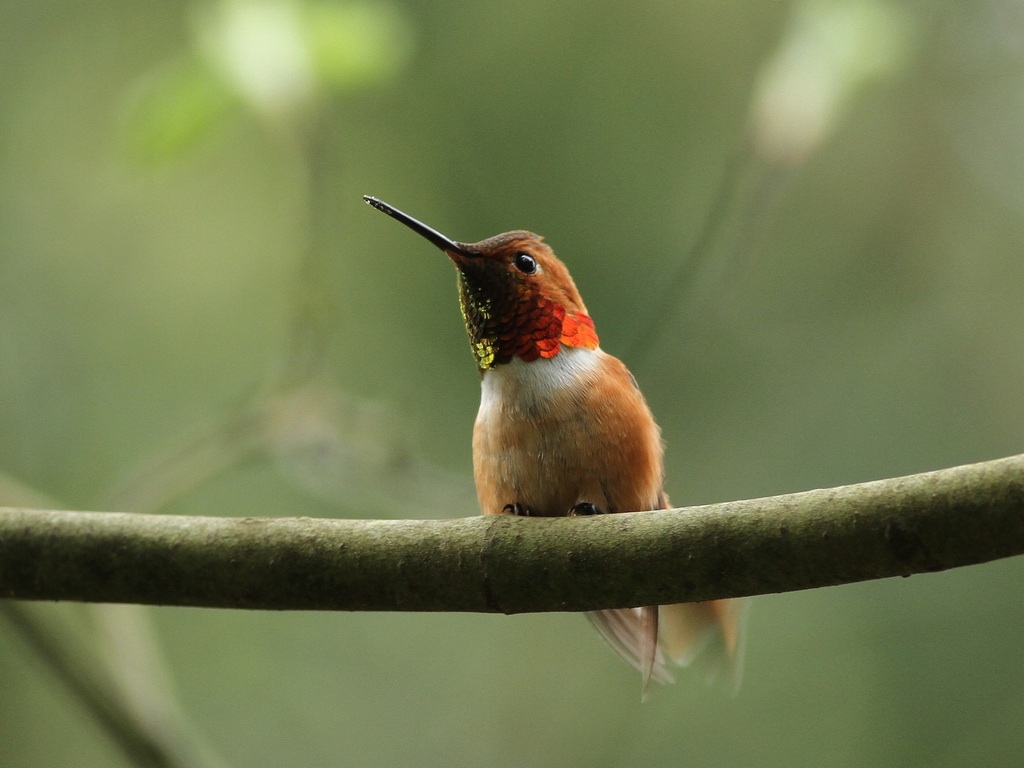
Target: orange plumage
563	428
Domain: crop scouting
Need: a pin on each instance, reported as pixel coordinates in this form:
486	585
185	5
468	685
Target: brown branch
897	527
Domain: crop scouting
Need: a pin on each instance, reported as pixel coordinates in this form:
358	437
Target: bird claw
585	509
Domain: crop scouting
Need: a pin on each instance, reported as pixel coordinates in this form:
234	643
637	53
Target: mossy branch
897	527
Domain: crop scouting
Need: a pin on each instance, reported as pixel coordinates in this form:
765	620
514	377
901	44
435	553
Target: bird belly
552	433
529	460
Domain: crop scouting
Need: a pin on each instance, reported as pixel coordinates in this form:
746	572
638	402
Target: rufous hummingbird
563	428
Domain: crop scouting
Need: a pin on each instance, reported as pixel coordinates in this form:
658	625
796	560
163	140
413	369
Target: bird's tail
712	634
649	638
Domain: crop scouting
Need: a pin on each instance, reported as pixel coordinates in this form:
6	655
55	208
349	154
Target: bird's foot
585	508
517	509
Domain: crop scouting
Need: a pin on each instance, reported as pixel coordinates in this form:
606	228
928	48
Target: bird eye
525	263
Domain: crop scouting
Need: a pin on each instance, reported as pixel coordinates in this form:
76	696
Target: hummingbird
563	429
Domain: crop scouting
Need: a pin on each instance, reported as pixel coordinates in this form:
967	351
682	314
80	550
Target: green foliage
355	44
174	110
831	51
278	57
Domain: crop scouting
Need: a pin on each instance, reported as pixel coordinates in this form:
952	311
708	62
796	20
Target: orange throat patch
530	327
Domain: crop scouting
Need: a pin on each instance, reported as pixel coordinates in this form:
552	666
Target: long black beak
446	244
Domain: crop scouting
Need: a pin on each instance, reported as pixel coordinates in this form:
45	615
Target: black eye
525	263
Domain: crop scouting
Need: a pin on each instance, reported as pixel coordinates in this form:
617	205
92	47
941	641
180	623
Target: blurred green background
199	315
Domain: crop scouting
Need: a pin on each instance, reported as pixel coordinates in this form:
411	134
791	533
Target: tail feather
649	638
648	646
623	629
713	631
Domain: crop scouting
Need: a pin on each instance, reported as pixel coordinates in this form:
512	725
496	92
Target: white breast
519	387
